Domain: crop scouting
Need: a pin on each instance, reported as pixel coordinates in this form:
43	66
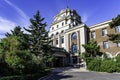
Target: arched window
57	33
74	48
74	36
62	31
52	35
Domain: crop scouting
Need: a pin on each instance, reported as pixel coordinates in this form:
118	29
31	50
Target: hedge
106	65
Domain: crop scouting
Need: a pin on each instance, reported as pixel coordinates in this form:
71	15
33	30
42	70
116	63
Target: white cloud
6	25
24	19
85	17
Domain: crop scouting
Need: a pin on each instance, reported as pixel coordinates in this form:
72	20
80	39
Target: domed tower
67	31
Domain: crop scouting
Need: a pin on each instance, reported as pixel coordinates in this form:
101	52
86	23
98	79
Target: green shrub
94	65
118	67
108	66
27	77
12	78
118	63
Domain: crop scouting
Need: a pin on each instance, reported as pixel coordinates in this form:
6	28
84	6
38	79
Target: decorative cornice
100	24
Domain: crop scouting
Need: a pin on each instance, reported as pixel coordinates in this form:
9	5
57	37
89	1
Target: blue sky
18	12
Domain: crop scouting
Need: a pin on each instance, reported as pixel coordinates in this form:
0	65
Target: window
62	39
105	44
63	24
66	22
57	26
52	28
74	36
74	48
93	35
118	44
117	29
76	24
57	33
56	41
104	32
51	42
62	31
52	35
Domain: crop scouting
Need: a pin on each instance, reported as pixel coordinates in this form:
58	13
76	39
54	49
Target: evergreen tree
22	37
38	38
16	32
115	37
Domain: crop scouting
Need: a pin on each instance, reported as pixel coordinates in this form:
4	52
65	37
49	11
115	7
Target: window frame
104	32
117	29
93	35
62	39
74	48
118	44
62	23
105	44
57	26
52	28
56	41
74	36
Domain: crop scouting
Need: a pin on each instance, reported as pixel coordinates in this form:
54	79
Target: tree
38	38
21	37
91	48
16	32
115	22
115	37
12	54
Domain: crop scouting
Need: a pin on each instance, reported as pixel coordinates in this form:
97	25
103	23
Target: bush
12	78
27	77
118	63
108	66
94	65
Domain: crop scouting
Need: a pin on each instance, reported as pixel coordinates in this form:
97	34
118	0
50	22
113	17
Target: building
69	32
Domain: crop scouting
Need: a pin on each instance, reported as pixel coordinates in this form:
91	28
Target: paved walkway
69	69
69	73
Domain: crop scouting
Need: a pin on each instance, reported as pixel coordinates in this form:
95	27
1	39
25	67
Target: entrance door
74	59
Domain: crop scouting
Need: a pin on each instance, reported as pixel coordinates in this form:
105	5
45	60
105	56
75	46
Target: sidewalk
69	69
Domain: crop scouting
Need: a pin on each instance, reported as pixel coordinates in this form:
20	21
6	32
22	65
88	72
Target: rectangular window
56	41
118	44
57	26
105	45
104	32
52	28
117	29
51	42
63	24
93	35
66	22
62	39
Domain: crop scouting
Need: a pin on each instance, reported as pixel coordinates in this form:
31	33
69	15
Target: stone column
54	41
66	42
82	38
59	40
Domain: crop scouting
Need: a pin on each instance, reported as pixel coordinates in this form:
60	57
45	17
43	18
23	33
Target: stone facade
67	31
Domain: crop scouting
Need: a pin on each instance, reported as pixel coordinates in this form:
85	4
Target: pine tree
38	37
21	36
16	32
